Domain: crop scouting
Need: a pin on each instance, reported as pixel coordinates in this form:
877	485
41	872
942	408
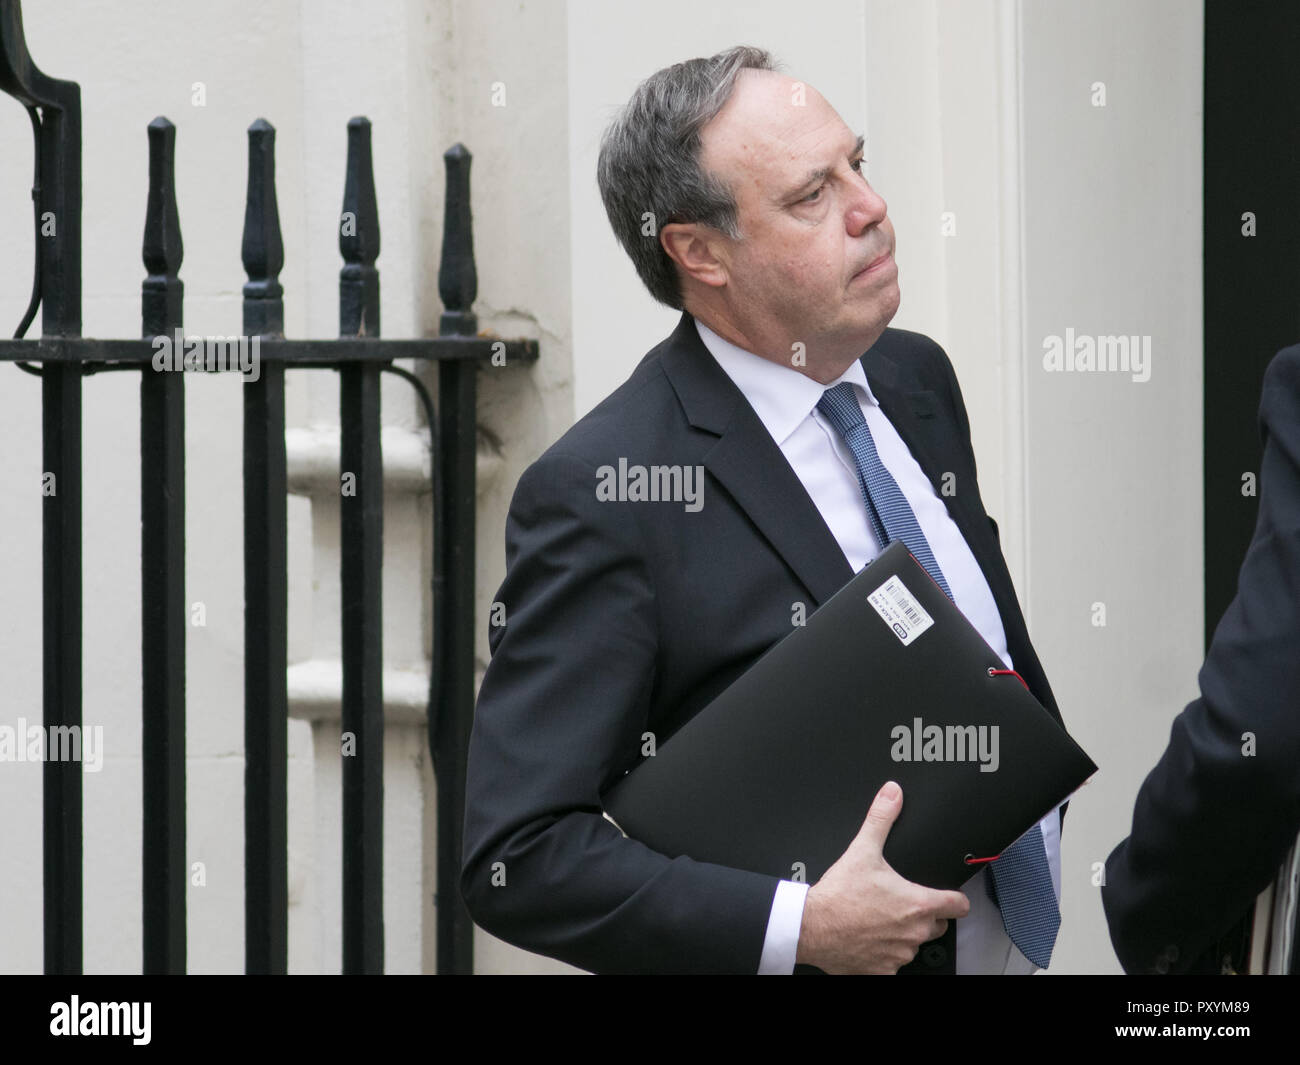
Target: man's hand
861	916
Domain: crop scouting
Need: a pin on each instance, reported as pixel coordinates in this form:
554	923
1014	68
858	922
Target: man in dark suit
674	534
1215	817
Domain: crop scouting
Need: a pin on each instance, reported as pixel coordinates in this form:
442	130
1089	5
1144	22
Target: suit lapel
775	501
779	505
914	415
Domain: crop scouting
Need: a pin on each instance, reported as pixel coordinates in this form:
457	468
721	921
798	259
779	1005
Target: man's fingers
949	904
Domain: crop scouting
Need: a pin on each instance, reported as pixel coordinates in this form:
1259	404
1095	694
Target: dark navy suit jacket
623	618
1211	824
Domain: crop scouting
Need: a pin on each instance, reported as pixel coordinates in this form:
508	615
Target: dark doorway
1252	283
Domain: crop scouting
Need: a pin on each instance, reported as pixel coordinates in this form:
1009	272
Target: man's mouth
875	264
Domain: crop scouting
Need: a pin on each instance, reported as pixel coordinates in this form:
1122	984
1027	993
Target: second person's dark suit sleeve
561	710
1216	816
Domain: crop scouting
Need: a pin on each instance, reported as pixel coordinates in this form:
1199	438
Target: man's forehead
772	124
772	106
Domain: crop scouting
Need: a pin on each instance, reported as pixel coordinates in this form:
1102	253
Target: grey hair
649	162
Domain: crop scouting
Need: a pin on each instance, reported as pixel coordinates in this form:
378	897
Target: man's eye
856	166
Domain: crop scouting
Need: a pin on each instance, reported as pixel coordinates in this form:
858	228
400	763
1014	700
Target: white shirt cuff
781	944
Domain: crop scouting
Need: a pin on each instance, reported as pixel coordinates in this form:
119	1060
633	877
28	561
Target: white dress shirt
785	401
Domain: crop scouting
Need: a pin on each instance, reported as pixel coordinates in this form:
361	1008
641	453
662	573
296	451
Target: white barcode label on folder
900	611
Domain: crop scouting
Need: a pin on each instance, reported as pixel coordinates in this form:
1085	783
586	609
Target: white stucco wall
1112	245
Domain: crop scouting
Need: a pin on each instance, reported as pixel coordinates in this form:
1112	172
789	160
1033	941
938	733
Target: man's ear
694	248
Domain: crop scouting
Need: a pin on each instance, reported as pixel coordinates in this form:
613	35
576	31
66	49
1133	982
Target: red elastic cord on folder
1007	672
996	673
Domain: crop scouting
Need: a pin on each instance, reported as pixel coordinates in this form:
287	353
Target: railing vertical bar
266	697
60	283
458	445
162	572
361	548
457	392
61	594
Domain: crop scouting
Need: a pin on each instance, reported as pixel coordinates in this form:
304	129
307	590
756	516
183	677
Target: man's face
809	225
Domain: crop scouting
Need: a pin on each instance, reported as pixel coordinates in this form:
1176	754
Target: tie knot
840	405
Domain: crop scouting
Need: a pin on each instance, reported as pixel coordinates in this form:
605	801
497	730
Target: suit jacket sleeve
1216	816
560	716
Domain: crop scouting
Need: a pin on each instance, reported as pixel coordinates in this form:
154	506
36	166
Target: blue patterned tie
891	515
1020	881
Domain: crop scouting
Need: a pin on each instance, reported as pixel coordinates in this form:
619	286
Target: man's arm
563	705
1215	817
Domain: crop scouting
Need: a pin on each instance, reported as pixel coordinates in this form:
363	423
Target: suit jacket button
934	954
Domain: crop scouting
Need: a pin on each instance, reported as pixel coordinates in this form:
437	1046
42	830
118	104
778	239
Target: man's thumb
885	808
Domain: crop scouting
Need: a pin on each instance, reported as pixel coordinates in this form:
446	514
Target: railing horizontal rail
136	354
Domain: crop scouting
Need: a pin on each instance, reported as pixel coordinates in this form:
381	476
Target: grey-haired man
739	195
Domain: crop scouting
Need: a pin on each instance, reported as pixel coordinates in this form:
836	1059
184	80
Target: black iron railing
63	359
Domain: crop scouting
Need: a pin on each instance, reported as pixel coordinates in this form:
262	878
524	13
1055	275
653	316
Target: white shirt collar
781	396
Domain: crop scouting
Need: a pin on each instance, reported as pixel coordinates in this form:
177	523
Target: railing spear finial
359	238
457	276
163	291
263	248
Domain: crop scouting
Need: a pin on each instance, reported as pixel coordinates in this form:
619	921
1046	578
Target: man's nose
867	209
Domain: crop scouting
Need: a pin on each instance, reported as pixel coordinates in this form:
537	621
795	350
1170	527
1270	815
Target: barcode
899	610
905	605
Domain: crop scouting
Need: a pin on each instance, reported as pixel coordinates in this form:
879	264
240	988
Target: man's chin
879	320
885	312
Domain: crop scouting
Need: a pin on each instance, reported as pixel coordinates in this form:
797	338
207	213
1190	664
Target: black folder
887	680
